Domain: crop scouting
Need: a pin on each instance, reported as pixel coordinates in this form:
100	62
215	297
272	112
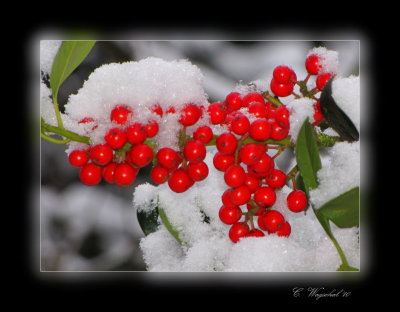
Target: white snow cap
329	59
48	51
299	110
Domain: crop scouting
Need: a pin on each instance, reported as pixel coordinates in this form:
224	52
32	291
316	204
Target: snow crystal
48	51
46	105
329	60
342	174
299	110
346	93
143	197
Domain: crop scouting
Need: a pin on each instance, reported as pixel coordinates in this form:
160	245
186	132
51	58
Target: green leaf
169	226
307	156
68	58
335	117
148	220
346	268
344	209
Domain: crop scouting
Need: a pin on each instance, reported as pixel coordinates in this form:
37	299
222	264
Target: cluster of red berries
118	160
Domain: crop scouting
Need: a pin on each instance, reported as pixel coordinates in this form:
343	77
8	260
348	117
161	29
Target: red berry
125	174
198	171
282	116
251	98
259	110
222	162
78	158
120	114
116	138
265	196
278	131
190	114
157	110
194	151
141	155
281	89
226	143
136	133
170	110
226	198
271	221
86	120
101	154
284	230
271	110
230	214
297	201
204	134
276	179
256	233
313	65
159	174
179	181
233	101
264	164
284	74
108	172
318	116
217	112
322	79
250	153
168	158
151	129
90	174
240	195
234	176
240	124
260	130
260	175
238	230
252	183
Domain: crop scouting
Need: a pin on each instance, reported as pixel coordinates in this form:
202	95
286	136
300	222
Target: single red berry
170	110
271	110
116	138
276	179
198	171
190	114
260	110
238	230
78	158
256	233
260	175
120	114
222	162
252	183
226	198
318	116
90	174
217	112
240	124
282	116
284	230
251	98
168	158
235	176
281	89
204	134
159	174
179	181
157	110
87	120
141	155
322	79
151	129
109	171
250	153
278	131
194	151
265	196
240	195
313	64
284	74
125	174
230	214
226	143
297	201
136	133
272	221
101	154
260	130
233	101
264	164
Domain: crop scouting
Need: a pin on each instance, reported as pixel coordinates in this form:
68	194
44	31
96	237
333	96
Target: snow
299	110
48	51
329	59
341	175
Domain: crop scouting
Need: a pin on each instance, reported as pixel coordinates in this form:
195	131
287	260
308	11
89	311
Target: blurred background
95	228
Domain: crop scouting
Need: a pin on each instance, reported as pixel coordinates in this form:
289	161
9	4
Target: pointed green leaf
68	58
148	220
344	209
307	156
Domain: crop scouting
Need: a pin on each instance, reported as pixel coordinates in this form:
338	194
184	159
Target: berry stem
271	99
239	146
57	111
53	140
70	136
